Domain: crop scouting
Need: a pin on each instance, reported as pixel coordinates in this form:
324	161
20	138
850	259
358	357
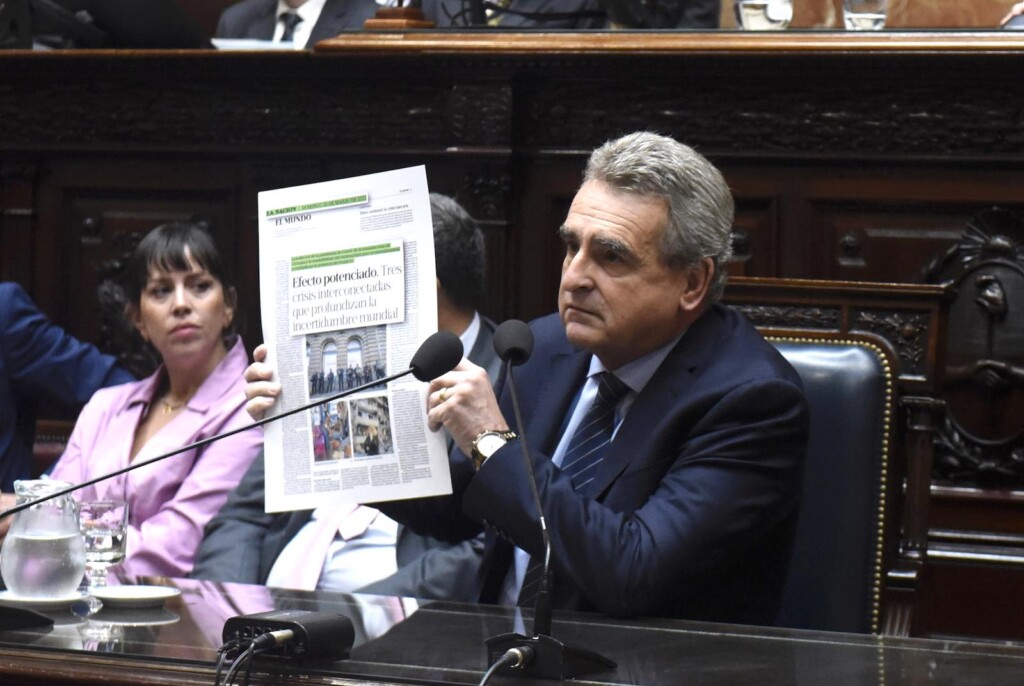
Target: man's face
618	299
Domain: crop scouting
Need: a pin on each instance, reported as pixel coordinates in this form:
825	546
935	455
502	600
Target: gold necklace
169	408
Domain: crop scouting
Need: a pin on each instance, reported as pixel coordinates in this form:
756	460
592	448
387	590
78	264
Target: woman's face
183	313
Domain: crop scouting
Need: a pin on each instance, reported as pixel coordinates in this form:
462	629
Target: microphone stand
206	441
539	656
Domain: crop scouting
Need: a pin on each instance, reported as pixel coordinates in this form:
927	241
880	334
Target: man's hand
260	391
463	402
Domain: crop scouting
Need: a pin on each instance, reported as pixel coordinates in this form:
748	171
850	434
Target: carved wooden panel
982	442
101	214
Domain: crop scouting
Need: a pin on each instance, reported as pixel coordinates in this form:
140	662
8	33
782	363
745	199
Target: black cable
222	656
239	661
512	657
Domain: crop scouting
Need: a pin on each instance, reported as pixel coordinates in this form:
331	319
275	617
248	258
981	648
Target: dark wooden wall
851	157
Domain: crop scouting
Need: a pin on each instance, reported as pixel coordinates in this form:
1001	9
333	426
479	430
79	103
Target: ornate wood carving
792	316
982	439
907	333
488	192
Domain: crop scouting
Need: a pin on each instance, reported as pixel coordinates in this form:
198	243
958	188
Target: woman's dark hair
164	248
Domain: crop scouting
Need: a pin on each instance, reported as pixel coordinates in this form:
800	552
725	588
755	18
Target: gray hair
700	206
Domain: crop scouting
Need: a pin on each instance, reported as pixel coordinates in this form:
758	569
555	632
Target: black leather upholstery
835	576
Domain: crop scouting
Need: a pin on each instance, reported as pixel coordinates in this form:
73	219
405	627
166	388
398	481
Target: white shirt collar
469	336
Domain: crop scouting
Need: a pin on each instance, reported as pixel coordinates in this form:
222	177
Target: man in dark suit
666	435
575	14
260	19
691	510
242	543
42	369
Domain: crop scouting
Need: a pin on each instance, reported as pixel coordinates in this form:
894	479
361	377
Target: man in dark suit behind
261	19
242	543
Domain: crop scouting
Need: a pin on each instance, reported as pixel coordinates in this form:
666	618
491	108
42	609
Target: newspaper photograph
348	293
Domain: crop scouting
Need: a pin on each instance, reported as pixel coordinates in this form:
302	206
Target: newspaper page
348	291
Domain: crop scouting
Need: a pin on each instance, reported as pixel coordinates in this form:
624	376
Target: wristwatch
487	443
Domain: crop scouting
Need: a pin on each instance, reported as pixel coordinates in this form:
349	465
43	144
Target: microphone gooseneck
540	655
437	355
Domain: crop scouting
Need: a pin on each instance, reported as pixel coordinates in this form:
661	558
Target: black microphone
437	355
539	656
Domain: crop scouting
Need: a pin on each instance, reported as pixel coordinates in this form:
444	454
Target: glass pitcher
43	555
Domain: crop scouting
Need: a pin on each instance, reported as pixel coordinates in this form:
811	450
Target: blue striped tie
585	452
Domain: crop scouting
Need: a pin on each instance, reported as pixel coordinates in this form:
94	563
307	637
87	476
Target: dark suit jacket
242	542
257	19
42	368
583	14
522	14
696	501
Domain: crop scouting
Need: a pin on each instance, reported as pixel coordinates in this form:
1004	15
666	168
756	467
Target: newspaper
348	291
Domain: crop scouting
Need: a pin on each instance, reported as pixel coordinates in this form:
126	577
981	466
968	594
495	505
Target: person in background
315	20
666	435
575	14
182	303
346	549
43	370
311	21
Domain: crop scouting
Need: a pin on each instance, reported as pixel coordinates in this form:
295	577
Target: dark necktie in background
585	452
290	21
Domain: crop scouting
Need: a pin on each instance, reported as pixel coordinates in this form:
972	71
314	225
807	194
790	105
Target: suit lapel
666	390
550	397
333	19
264	23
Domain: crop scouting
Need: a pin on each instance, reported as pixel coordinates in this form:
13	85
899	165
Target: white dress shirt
310	13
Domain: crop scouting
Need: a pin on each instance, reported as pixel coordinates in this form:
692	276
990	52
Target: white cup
864	15
763	15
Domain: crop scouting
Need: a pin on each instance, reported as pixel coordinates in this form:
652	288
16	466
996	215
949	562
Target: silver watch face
489	444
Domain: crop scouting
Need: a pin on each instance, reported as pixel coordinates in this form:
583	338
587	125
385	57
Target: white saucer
134	616
8	598
134	596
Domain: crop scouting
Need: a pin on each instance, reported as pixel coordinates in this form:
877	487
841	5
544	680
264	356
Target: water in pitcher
43	566
43	555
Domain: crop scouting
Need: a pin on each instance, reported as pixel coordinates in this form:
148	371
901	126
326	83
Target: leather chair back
835	577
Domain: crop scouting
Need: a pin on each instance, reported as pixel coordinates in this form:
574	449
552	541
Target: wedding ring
444	394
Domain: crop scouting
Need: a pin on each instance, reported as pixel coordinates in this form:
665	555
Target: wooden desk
444	643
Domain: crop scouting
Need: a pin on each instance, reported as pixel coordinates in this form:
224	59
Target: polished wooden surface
672	43
444	643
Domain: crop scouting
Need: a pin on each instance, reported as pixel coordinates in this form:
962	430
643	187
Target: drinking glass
864	15
42	555
763	15
104	525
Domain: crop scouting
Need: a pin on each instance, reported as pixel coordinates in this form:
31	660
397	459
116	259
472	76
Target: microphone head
513	341
437	355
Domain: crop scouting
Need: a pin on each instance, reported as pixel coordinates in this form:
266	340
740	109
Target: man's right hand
261	391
